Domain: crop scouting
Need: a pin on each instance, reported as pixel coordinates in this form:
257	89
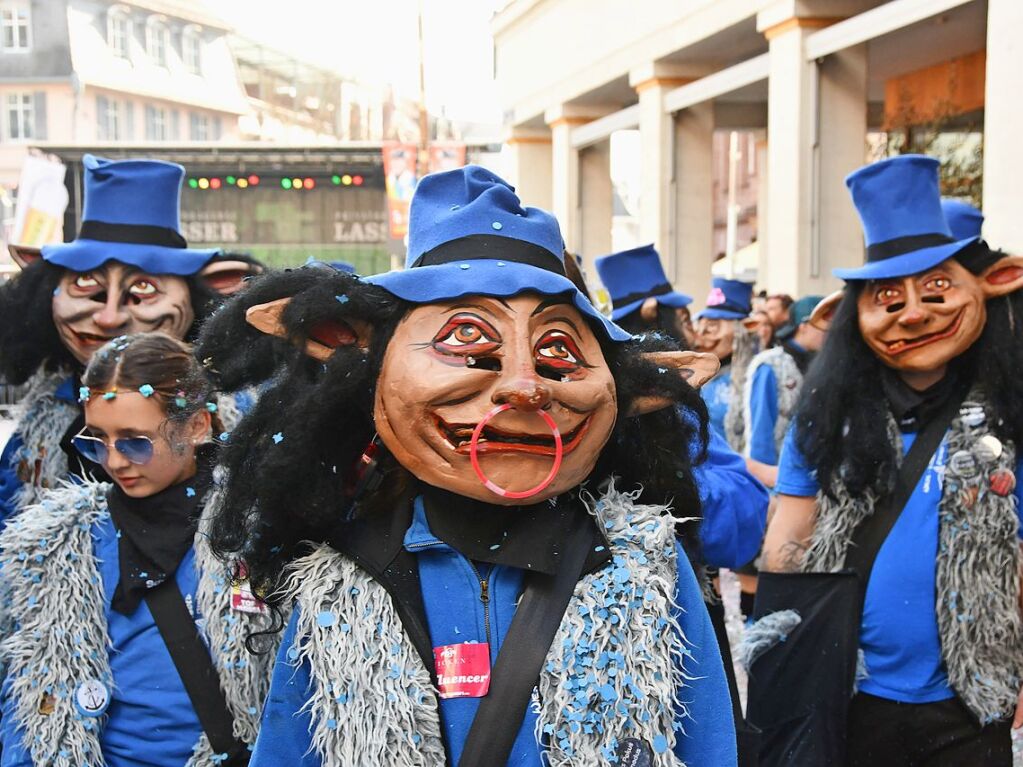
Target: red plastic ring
559	453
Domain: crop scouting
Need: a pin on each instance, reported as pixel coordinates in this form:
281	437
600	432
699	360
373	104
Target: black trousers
885	733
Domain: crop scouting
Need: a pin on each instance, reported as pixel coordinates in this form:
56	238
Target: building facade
96	72
812	89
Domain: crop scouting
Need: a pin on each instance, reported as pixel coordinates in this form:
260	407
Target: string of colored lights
288	182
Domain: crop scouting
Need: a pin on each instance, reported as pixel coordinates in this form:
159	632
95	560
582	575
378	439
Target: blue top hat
470	235
728	300
633	276
963	219
904	227
132	215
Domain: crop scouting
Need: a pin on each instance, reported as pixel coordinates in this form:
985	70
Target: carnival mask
715	337
496	399
90	308
920	323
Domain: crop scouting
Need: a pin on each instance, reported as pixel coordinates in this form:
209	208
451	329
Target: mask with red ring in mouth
449	364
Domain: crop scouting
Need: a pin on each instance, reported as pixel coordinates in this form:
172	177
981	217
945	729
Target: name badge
242	598
463	670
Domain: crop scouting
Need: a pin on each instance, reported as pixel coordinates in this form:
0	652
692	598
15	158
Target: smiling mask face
922	322
90	308
449	364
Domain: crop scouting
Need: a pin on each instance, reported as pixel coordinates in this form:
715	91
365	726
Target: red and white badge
242	598
463	670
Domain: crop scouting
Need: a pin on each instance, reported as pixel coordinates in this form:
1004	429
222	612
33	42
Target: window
200	127
118	30
20	116
109	120
157	40
15	25
191	48
156	124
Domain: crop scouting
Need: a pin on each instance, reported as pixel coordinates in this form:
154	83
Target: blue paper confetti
190	492
278	438
342	299
146	390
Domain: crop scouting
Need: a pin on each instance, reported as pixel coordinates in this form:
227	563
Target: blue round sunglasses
138	450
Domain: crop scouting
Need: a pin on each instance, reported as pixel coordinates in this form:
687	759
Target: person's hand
1017	719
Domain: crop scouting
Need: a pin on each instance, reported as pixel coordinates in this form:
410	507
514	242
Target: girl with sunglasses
129	645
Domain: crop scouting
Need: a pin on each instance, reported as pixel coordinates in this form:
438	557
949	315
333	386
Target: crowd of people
455	514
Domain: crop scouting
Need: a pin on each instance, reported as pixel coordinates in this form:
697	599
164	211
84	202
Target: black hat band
730	307
477	247
136	234
656	290
899	246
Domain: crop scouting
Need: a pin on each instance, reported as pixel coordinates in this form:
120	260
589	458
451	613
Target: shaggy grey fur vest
57	601
41	462
789	381
371	699
978	561
743	349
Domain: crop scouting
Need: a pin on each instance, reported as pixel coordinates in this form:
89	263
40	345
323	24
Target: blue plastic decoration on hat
132	215
963	219
633	276
903	224
728	300
470	235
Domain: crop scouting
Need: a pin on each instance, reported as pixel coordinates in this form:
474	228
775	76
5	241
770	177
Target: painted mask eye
887	294
142	289
558	350
86	282
466	334
938	284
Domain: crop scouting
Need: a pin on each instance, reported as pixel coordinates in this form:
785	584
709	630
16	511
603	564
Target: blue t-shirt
899	634
763	415
716	394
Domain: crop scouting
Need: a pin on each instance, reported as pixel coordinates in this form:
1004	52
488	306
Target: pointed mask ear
751	323
228	277
695	367
24	255
323	338
1002	277
648	310
824	312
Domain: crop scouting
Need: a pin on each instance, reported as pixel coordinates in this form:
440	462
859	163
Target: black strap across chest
537	618
195	667
871	534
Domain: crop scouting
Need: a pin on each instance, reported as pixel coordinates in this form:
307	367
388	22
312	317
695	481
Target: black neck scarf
914	409
154	534
526	537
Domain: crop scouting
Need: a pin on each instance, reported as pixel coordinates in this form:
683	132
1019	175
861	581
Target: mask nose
113	315
529	393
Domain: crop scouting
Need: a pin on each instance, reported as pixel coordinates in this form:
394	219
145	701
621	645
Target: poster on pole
446	155
400	178
42	199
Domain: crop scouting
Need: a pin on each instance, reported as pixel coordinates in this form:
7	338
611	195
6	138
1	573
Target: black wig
290	462
842	419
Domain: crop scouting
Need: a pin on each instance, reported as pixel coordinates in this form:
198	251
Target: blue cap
963	219
728	300
131	215
633	276
469	235
903	224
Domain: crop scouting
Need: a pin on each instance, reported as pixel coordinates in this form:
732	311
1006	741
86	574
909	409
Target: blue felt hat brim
720	314
485	277
904	265
672	299
83	255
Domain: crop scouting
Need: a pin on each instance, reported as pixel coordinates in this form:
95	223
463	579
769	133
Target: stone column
529	166
688	259
595	203
817	122
1003	116
657	132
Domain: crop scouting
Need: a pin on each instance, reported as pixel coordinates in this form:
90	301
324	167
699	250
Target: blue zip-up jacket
10	484
734	506
151	720
451	590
